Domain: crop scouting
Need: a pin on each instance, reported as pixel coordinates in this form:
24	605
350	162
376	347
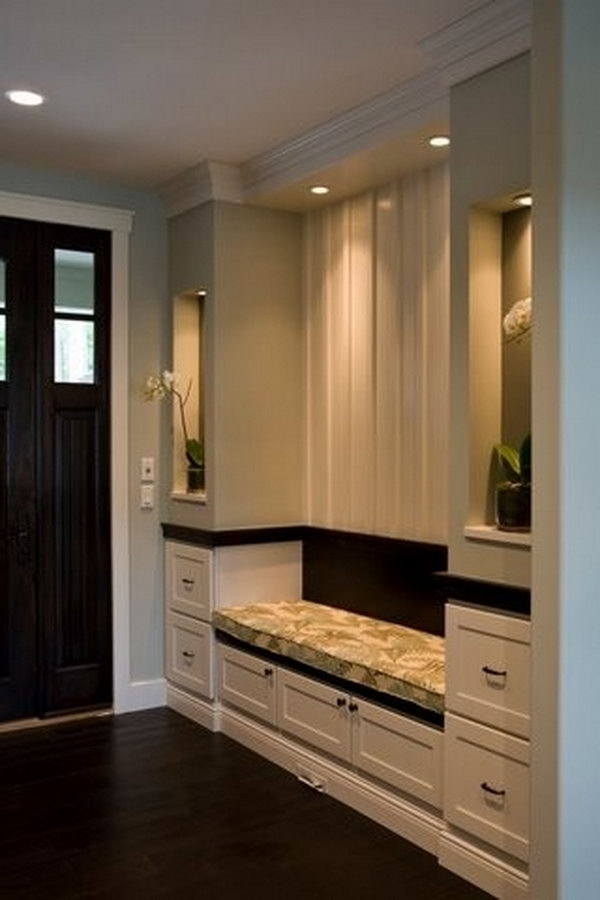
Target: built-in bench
382	656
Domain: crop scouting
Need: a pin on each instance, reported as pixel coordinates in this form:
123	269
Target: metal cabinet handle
353	707
490	790
489	671
188	654
341	701
268	672
188	582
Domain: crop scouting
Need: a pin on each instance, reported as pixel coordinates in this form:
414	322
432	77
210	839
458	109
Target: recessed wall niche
499	371
188	364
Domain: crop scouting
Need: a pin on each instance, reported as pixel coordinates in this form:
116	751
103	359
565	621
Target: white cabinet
188	634
247	683
486	756
397	750
487	668
188	580
315	713
487	785
189	654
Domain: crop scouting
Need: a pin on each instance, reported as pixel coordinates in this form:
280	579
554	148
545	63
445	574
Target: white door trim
126	695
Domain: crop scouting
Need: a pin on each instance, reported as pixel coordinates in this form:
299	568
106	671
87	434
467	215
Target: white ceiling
139	90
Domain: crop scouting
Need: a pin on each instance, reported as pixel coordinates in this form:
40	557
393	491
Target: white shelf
184	497
493	535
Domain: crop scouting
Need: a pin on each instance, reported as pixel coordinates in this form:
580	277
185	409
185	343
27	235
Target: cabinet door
247	683
486	782
189	654
397	750
188	580
487	668
315	713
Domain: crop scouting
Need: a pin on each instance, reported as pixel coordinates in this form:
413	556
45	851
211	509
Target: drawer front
397	750
487	668
486	785
188	580
247	683
315	713
189	654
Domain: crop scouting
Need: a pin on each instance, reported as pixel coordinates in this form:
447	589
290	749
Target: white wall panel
376	282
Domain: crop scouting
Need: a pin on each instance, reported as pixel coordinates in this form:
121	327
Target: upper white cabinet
188	577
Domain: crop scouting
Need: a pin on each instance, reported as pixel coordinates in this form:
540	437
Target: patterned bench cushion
381	655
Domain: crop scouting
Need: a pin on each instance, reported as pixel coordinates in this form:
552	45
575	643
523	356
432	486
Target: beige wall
249	259
490	159
376	276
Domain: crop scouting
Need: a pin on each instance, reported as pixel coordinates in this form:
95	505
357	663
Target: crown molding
399	110
487	37
206	181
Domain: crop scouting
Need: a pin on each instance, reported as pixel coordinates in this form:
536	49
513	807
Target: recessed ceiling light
319	189
439	140
25	98
523	199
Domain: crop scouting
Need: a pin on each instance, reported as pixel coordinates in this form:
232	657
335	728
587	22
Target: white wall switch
147	468
147	496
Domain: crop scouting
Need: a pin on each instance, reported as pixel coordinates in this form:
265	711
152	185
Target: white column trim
126	696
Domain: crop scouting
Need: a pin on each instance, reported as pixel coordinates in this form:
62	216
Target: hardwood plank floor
149	805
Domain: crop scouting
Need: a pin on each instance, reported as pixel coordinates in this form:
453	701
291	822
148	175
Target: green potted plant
166	385
513	492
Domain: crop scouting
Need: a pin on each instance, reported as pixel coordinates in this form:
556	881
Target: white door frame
126	696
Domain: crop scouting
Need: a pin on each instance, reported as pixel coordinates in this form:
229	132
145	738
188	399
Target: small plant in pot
166	385
513	492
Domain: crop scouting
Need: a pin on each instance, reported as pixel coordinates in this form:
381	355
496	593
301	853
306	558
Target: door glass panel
74	351
2	320
74	282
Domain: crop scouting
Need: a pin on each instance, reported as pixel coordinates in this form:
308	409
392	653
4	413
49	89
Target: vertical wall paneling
376	282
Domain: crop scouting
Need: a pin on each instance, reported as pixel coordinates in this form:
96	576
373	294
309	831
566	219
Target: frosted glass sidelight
73	351
74	282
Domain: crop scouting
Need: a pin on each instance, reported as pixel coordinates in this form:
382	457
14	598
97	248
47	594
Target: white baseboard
141	695
489	873
203	712
410	822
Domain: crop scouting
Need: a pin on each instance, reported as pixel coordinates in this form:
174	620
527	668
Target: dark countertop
492	594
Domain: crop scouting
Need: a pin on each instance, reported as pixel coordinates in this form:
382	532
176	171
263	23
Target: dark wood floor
149	805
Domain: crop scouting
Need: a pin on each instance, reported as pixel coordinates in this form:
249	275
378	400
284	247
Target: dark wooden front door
55	625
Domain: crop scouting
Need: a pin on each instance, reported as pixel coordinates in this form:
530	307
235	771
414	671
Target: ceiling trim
206	181
487	37
403	108
47	209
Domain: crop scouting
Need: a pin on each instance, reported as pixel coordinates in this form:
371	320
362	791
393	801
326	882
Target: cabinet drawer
188	580
397	750
247	683
486	782
315	713
487	668
189	656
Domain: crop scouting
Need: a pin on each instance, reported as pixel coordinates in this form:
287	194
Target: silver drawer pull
188	654
496	672
188	583
493	791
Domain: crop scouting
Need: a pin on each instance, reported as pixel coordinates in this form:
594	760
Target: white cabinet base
479	867
203	712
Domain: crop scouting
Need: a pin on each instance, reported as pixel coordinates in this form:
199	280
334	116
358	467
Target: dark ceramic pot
195	479
513	506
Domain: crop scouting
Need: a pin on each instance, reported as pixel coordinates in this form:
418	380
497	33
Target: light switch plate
147	496
147	468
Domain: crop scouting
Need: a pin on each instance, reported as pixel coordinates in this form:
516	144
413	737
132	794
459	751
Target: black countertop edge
228	537
492	594
389	701
233	536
